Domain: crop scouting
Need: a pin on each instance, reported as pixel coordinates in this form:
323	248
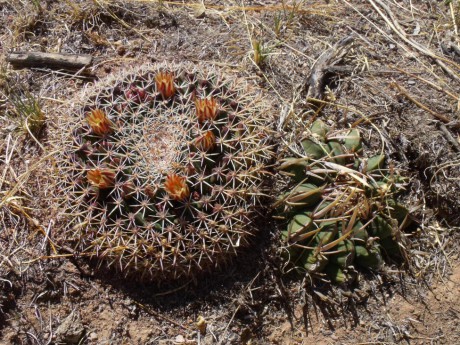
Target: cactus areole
161	169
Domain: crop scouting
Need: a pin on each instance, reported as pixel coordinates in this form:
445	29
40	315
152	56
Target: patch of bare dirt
435	318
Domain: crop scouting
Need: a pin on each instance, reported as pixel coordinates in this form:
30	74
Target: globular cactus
341	208
161	169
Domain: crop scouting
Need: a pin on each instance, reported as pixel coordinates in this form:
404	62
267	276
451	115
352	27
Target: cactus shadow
330	306
222	284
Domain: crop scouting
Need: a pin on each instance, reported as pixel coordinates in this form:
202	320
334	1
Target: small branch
450	138
452	12
70	62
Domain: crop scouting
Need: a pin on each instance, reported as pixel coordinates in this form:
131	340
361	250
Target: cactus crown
161	169
341	208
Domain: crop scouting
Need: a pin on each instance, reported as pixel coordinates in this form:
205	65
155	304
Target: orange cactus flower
176	187
206	141
101	177
206	109
99	122
165	84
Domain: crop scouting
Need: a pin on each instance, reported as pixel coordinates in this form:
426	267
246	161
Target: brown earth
399	80
432	318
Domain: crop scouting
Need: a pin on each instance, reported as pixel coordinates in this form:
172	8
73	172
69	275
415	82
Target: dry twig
53	60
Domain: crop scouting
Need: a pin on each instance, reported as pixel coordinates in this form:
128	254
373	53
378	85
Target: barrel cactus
341	208
161	169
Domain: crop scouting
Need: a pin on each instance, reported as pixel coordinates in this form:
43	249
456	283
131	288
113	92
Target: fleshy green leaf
381	228
320	129
314	150
369	258
375	162
346	254
353	140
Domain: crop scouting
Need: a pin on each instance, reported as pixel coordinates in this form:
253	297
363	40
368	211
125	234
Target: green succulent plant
341	208
161	168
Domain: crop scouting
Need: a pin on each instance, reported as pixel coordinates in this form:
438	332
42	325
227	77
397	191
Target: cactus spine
161	169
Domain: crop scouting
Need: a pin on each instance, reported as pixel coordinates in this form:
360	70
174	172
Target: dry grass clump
13	225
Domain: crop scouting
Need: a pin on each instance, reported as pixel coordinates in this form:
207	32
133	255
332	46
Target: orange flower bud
165	84
176	187
101	178
206	109
206	141
99	122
